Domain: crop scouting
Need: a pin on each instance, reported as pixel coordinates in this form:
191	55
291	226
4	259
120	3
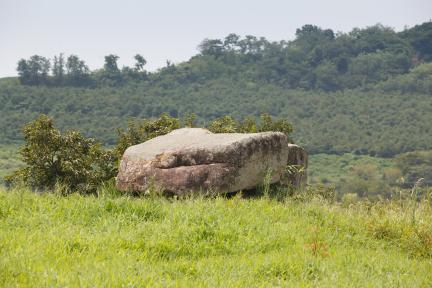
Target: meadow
47	240
331	169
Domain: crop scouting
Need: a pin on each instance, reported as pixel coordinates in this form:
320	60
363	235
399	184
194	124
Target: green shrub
71	160
268	124
139	131
227	124
76	163
146	129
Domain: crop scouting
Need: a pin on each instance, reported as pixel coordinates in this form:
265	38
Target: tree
313	34
379	38
213	47
327	77
306	30
111	73
379	66
42	66
72	160
420	38
110	65
140	62
77	71
24	72
251	45
34	71
230	42
58	69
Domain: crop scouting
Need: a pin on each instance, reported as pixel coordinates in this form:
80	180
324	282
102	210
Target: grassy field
326	168
118	241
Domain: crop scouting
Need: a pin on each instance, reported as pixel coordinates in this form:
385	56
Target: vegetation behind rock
366	91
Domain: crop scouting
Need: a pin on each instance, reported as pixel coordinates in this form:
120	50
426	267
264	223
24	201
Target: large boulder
194	159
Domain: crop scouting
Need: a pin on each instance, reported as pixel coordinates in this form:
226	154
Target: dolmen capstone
194	159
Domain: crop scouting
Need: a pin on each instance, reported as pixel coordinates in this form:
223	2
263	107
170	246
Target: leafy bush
81	164
146	129
139	131
268	124
227	124
71	160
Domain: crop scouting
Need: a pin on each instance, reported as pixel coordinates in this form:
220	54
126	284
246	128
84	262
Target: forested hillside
368	91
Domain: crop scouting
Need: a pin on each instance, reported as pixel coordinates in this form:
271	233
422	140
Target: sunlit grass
111	240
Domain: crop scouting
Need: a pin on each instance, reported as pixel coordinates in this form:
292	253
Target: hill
348	121
367	91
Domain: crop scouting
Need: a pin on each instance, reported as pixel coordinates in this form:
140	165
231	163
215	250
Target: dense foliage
375	123
81	164
317	59
227	124
71	160
367	91
140	131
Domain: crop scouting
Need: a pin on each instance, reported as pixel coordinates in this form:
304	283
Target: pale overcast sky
163	29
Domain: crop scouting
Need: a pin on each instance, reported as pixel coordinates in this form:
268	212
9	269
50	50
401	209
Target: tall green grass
118	241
